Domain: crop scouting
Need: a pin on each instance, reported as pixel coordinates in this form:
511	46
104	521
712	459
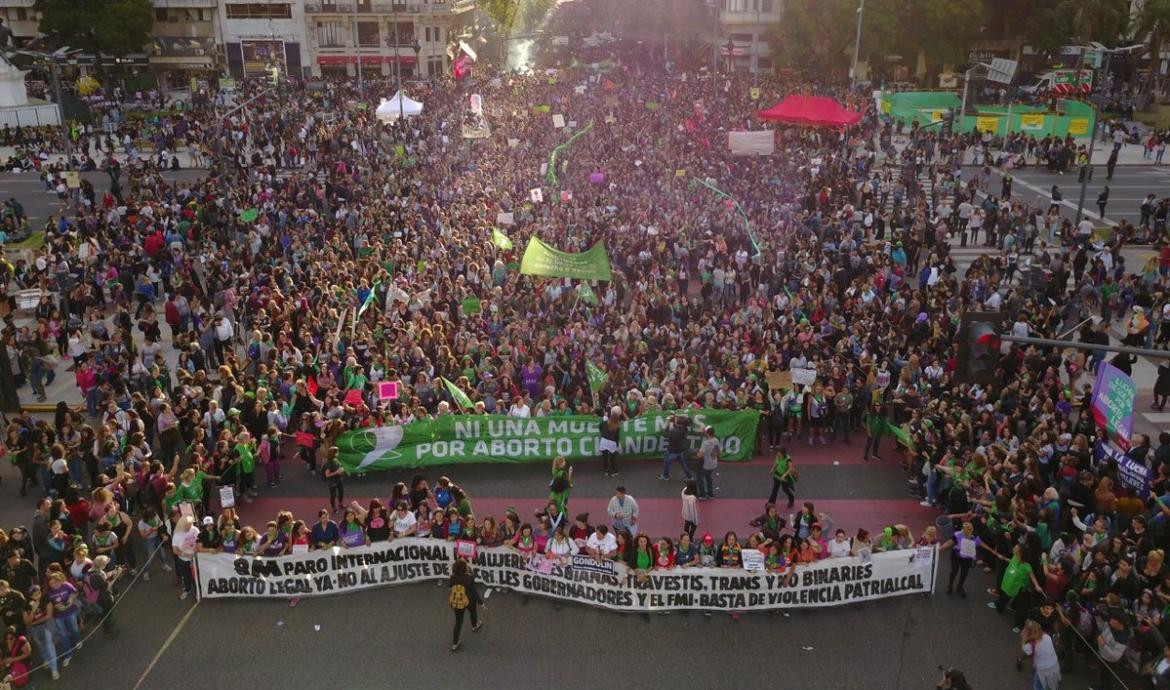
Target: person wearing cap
710	452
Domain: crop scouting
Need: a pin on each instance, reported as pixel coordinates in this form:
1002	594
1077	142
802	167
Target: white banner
605	584
751	143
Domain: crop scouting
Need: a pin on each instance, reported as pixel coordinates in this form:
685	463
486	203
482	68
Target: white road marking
174	634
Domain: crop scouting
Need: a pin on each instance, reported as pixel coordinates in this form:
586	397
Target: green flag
500	239
472	306
369	298
542	260
460	397
597	377
586	293
400	150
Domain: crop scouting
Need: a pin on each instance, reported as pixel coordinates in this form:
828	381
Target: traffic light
979	342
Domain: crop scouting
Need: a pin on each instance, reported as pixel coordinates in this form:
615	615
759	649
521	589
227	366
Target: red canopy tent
814	111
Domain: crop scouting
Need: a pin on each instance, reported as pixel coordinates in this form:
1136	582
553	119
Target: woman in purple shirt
63	596
531	376
351	531
273	542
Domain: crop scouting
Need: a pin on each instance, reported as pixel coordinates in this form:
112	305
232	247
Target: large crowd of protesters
839	262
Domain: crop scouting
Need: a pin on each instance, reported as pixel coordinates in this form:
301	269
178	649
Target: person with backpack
464	596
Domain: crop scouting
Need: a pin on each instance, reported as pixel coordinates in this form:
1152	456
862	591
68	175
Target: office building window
259	10
160	15
367	34
331	34
400	33
435	65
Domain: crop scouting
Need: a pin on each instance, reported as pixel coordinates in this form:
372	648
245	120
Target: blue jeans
672	457
706	483
70	632
76	470
932	482
42	637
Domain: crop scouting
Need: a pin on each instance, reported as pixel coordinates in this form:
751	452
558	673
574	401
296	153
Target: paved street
1127	189
896	643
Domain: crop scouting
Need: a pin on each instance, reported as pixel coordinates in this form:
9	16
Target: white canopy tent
389	109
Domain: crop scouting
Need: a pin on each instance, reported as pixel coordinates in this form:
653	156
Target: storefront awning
181	62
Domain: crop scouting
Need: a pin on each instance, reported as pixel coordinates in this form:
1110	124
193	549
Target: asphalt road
365	638
39	202
1127	189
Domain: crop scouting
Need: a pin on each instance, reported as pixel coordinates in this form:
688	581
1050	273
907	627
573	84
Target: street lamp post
857	44
398	71
357	49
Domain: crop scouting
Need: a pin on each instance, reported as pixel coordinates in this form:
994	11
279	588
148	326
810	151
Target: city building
19	17
258	36
742	38
185	41
344	34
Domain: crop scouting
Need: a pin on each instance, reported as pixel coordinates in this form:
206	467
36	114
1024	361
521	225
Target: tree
1153	24
112	27
1094	20
815	34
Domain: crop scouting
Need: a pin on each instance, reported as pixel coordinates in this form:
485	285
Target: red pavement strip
658	516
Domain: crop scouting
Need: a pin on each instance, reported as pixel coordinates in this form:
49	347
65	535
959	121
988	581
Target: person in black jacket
462	576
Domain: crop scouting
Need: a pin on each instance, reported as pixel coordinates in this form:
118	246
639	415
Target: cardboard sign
610	119
558	120
353	396
804	377
513	143
755	93
566	196
465	548
753	559
388	390
505	218
227	497
536	194
778	379
304	439
72	179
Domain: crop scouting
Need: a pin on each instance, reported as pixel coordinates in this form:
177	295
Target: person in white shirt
183	543
214	417
520	407
623	511
601	544
839	546
405	523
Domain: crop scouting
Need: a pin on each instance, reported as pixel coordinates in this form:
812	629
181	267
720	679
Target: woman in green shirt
245	450
1014	586
561	482
641	557
783	477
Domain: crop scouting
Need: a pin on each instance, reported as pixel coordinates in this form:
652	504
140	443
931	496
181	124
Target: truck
1062	82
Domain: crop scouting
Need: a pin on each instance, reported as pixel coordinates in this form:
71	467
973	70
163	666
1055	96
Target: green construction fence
929	107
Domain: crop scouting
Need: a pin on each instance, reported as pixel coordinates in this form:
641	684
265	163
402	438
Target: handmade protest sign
469	439
542	260
1113	396
610	585
388	390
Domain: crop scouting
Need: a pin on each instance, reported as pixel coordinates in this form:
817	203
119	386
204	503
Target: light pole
857	44
397	70
357	49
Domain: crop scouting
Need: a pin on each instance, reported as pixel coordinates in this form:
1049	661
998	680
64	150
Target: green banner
466	439
542	260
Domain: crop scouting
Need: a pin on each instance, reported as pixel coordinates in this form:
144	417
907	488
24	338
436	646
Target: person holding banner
464	597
